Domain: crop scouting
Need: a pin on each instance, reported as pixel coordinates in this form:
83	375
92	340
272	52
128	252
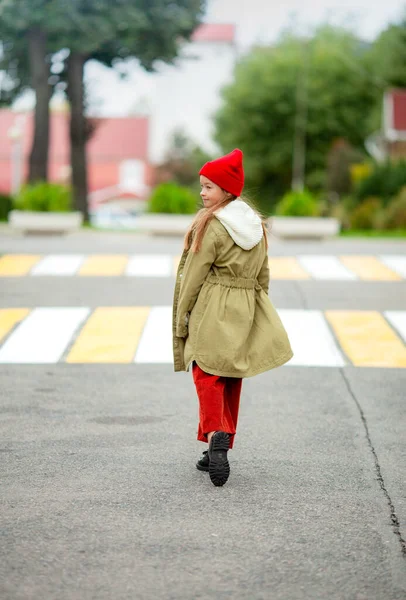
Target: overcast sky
256	21
263	20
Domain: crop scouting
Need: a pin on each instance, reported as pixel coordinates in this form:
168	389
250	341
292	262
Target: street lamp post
299	144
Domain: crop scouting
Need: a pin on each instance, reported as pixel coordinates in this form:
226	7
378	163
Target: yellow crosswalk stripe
367	339
286	267
104	265
111	335
369	268
15	265
10	317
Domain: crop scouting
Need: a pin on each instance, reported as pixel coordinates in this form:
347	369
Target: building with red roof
216	32
117	154
187	93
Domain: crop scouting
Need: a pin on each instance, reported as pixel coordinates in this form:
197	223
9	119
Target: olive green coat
222	316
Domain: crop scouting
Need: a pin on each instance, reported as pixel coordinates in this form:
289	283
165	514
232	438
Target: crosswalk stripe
154	265
104	265
331	338
156	342
43	336
304	266
110	335
9	317
325	267
397	318
367	339
286	267
369	268
396	263
58	264
310	338
16	265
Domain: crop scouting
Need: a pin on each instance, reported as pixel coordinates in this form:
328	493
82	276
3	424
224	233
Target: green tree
387	56
25	61
259	111
105	31
101	30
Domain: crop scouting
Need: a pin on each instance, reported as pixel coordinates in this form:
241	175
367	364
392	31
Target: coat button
176	343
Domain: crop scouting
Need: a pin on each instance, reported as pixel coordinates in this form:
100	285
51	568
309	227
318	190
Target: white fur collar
242	223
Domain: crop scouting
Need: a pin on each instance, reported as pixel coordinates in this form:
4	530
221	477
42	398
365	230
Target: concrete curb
281	227
51	223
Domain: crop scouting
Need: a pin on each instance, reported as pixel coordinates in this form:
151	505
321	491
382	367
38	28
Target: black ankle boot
219	468
203	463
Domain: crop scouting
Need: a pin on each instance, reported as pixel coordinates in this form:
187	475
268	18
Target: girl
224	324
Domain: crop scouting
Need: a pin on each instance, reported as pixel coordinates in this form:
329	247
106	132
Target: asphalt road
100	498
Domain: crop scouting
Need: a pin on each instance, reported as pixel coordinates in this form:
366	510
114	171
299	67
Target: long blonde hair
195	233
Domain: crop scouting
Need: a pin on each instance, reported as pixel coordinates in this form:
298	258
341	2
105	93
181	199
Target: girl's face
211	193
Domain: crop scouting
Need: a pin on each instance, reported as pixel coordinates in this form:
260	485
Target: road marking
110	335
369	268
302	267
16	265
396	263
156	342
367	339
104	265
325	267
58	264
286	267
43	335
144	335
9	317
397	318
154	265
312	342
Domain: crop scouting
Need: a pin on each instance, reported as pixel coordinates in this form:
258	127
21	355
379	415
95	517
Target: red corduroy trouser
219	403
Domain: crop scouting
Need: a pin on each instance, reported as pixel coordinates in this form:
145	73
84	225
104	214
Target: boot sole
219	468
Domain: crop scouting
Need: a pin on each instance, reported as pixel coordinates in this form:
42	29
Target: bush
298	204
366	214
395	215
44	197
6	204
173	199
385	180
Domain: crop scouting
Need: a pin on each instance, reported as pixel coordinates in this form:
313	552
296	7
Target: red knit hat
226	171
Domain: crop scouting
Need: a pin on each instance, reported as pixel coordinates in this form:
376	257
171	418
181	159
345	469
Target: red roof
214	33
399	110
114	140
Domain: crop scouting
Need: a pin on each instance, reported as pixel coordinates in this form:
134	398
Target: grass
395	233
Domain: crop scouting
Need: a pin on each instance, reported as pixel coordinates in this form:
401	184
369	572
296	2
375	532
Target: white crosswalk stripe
58	264
156	341
43	336
311	339
325	267
397	318
396	263
150	266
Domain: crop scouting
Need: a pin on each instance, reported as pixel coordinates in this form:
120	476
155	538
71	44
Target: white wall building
186	94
